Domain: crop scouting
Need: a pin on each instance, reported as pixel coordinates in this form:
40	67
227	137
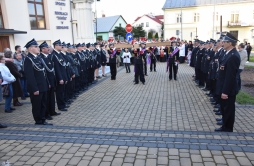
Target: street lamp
181	21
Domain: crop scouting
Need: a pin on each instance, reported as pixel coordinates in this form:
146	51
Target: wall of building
105	35
152	24
205	24
118	22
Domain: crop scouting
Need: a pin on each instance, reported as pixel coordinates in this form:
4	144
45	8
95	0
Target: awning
11	31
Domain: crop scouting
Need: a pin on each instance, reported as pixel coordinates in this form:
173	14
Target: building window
178	18
196	17
235	17
36	14
142	24
120	25
1	19
147	24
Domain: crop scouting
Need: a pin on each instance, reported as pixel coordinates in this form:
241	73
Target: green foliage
248	67
119	31
162	30
156	35
251	58
150	35
244	98
138	31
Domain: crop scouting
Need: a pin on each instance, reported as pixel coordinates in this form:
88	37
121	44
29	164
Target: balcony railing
240	24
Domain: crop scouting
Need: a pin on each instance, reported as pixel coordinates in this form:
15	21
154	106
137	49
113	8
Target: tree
119	31
150	35
156	35
152	31
138	31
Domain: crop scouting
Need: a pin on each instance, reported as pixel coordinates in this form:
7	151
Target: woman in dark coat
17	88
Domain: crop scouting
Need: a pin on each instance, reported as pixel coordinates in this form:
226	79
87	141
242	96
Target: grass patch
248	67
244	98
251	58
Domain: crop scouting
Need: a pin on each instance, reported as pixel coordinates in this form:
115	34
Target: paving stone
196	158
244	161
173	152
139	162
108	158
209	164
32	160
117	161
74	160
132	150
162	160
62	162
174	162
129	160
220	160
185	162
233	162
105	164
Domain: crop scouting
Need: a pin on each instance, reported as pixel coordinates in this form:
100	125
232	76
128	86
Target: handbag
6	91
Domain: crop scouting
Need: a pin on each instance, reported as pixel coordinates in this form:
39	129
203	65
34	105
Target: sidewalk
120	124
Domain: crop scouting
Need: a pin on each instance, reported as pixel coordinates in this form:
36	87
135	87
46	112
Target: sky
129	9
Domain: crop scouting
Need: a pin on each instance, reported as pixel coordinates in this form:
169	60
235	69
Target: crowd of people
218	64
56	76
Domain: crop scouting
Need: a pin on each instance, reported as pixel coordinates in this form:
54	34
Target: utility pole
96	20
181	21
220	24
213	16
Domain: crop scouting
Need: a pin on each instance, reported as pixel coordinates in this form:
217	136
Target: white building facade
149	22
45	20
198	19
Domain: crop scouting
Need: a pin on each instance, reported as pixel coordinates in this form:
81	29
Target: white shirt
46	55
6	74
182	50
126	59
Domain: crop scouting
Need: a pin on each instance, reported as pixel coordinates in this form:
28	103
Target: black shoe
56	114
213	103
219	130
205	89
175	79
12	109
212	100
151	71
143	83
2	126
67	106
218	113
23	98
46	123
49	117
8	111
63	109
218	119
217	106
219	123
170	79
135	83
146	75
155	71
216	110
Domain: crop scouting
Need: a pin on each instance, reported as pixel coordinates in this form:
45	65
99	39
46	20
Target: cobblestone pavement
117	123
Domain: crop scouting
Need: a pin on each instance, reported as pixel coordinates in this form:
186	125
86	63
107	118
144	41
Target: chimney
103	15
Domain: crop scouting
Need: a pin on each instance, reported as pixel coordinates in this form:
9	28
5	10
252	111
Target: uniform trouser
153	65
51	102
139	73
77	83
172	68
82	79
206	80
201	77
113	70
127	66
39	104
66	91
213	86
228	113
72	89
145	68
60	89
85	77
197	74
91	75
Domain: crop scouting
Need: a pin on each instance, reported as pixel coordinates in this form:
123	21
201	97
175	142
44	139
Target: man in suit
49	67
172	61
37	84
139	67
112	61
198	64
227	82
61	75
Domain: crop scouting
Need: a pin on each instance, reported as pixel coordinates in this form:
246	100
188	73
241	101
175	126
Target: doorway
4	43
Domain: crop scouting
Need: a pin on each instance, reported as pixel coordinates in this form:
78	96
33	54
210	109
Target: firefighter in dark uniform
172	61
61	75
49	67
81	59
112	61
153	60
92	64
70	73
75	70
198	64
37	83
143	48
139	67
227	82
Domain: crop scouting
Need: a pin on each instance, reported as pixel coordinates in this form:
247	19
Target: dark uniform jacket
72	64
76	63
69	70
112	55
199	57
193	56
49	68
103	56
227	73
82	60
174	58
60	66
35	74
